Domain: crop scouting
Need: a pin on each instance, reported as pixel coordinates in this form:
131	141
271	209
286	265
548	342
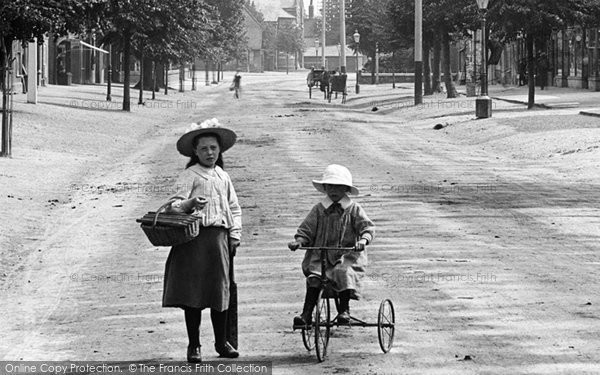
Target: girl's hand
294	245
361	245
233	245
197	203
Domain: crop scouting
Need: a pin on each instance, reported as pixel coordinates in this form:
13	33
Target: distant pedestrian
197	272
336	221
237	85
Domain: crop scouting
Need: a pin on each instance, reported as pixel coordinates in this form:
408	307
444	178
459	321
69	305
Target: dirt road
487	235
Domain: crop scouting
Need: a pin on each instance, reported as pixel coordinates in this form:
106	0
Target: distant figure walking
237	85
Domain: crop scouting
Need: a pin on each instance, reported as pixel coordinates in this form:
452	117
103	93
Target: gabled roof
250	16
275	9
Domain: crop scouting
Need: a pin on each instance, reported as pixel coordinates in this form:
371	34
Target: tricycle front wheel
322	326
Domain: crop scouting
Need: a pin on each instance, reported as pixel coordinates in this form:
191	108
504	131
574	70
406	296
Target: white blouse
214	184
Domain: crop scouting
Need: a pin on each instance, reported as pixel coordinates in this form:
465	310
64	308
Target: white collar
345	202
204	171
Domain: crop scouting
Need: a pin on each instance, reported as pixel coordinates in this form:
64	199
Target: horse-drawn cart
337	84
328	83
314	79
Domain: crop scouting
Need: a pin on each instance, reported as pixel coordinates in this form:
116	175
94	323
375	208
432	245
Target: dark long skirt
197	272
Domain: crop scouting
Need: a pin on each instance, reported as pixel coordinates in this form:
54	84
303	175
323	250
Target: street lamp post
483	104
357	42
316	52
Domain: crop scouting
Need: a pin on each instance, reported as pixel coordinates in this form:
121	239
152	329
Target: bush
400	62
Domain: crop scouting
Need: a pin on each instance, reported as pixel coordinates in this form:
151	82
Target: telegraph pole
323	41
342	36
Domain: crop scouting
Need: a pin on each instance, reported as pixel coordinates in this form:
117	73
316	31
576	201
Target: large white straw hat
185	144
335	174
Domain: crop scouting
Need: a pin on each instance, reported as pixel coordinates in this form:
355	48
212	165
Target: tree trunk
437	57
427	69
207	82
5	151
150	80
530	72
166	71
4	64
213	67
287	63
181	77
153	80
194	75
373	56
450	88
141	83
126	76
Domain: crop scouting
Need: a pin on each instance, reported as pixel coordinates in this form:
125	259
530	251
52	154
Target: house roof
275	9
250	16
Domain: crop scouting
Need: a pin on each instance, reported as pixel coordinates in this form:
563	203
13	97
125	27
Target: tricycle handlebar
353	248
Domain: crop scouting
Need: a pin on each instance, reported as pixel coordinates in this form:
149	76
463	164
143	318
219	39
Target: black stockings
193	318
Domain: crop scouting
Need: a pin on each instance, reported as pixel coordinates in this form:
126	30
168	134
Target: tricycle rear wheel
307	338
386	325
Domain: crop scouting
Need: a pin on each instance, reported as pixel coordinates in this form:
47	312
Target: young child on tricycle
336	221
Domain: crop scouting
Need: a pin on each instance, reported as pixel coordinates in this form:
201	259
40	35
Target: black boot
344	307
193	317
219	321
310	300
193	354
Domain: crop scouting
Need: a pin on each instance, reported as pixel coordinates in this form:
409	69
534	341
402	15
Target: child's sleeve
236	211
363	225
183	190
307	230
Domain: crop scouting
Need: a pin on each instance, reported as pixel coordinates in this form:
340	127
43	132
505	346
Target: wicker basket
169	228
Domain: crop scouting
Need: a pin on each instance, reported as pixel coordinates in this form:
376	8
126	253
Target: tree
254	11
332	22
289	40
269	40
25	20
165	29
177	35
535	19
442	19
227	39
367	17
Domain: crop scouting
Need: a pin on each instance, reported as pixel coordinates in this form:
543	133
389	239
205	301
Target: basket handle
161	208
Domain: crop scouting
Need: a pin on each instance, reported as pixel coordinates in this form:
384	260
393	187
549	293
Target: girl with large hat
197	272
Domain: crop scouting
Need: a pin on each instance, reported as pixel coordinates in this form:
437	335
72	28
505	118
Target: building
253	31
289	12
